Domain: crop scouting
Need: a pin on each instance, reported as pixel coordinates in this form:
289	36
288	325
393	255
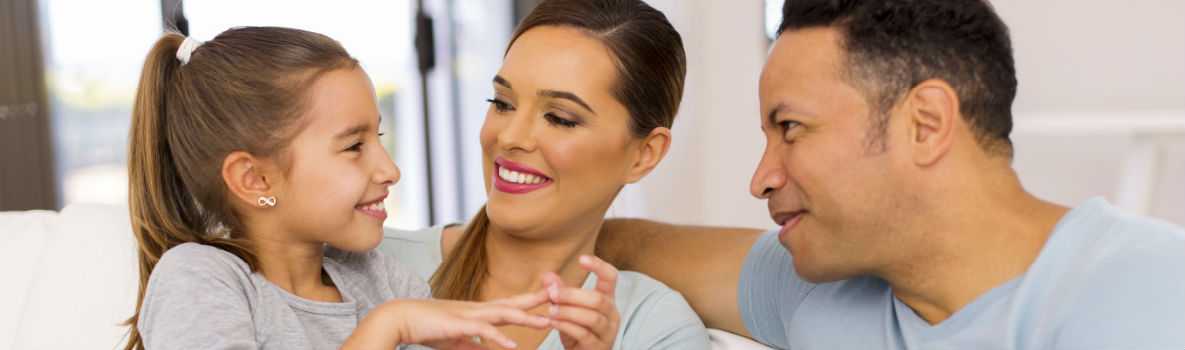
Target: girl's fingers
504	315
551	285
486	332
524	301
456	345
606	273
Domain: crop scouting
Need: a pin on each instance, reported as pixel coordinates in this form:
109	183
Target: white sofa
70	279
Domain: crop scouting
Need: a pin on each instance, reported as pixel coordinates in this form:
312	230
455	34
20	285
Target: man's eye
788	127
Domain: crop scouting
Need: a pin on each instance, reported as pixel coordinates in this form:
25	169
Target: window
92	81
92	68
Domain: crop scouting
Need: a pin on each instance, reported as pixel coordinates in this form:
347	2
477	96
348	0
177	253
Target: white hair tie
187	48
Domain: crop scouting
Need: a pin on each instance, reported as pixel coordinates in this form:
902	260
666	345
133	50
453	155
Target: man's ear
652	150
246	178
933	111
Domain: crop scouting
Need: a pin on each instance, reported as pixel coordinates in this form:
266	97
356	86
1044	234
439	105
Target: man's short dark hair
892	45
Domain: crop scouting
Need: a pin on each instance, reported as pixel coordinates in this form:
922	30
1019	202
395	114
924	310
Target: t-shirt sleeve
770	291
197	298
670	323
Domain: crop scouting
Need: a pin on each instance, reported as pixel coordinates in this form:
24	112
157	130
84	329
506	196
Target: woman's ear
246	178
651	150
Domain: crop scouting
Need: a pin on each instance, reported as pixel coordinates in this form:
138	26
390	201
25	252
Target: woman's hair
651	67
242	91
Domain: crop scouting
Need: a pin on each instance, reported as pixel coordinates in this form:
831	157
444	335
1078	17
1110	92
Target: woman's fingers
500	315
576	333
524	301
584	298
606	273
596	322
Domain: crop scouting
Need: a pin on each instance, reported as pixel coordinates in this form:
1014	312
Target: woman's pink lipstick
502	164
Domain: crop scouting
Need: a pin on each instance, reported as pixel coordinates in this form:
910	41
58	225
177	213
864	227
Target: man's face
834	194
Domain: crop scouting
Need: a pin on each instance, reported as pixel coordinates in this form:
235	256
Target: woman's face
339	172
556	143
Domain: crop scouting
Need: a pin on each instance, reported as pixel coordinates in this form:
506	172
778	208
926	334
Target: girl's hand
586	319
445	324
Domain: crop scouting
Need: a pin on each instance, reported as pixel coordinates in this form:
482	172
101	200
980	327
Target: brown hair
651	67
241	91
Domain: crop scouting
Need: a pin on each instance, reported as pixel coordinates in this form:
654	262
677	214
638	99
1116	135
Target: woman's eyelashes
551	117
499	105
558	121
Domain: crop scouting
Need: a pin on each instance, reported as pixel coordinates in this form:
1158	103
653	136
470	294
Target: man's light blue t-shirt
1104	280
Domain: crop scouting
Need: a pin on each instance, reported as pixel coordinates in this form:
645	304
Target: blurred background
1100	112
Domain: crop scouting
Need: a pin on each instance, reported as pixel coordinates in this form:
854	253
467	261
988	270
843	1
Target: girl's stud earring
267	202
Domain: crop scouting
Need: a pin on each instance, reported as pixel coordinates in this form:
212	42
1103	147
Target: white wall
1077	60
717	142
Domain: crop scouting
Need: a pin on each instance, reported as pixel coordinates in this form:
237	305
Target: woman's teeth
519	178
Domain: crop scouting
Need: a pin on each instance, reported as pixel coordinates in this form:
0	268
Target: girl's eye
499	106
556	120
356	147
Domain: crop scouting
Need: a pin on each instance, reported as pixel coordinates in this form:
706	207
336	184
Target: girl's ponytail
163	212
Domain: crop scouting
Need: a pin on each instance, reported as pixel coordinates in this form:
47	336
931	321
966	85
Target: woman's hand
586	319
445	324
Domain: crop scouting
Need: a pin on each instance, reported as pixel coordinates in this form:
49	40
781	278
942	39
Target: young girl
256	190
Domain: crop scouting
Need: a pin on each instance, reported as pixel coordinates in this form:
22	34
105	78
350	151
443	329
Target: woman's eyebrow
498	79
567	96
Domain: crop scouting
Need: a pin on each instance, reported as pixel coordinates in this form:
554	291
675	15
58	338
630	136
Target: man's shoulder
1120	284
1137	241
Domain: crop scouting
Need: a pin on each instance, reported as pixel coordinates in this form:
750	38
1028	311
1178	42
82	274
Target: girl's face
338	171
556	143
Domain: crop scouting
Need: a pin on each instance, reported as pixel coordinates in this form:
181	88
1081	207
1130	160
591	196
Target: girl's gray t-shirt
202	297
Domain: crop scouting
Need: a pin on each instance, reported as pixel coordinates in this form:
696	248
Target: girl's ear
247	178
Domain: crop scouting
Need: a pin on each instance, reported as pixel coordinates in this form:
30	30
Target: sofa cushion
86	282
23	238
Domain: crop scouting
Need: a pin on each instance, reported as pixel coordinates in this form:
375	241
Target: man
903	225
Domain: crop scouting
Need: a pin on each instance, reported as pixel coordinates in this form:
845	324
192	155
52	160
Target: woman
582	106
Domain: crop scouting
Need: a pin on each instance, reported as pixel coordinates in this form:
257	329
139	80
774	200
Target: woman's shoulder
656	316
418	250
374	274
643	292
